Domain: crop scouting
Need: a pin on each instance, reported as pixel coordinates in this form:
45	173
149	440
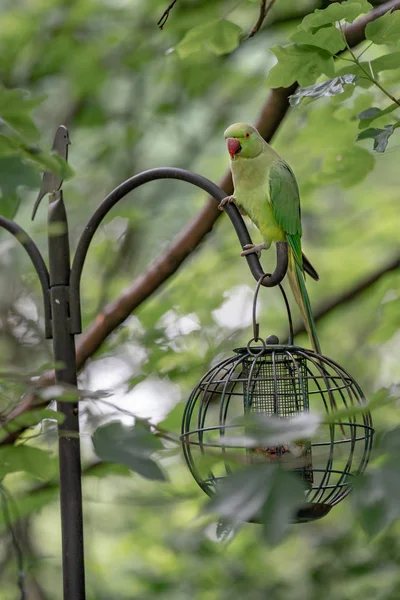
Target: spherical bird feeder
283	382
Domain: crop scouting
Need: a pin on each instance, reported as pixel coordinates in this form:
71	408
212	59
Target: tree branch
165	15
270	118
264	10
355	33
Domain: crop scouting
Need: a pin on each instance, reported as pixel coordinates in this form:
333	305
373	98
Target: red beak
233	145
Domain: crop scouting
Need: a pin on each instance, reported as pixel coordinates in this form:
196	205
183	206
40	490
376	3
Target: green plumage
266	190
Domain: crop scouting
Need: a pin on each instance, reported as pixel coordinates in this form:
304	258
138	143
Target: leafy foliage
348	10
328	38
261	493
26	458
130	446
218	37
130	104
368	116
29	419
299	63
18	155
385	30
380	136
377	492
323	31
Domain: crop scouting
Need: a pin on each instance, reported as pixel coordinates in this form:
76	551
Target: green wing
285	200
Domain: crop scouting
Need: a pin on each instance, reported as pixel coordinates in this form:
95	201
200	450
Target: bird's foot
254	249
226	200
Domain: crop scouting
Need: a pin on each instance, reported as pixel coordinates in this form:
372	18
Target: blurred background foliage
133	98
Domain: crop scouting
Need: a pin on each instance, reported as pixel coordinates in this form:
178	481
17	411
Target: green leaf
103	469
31	502
370	113
46	161
391	442
240	496
264	493
35	461
285	498
376	497
30	419
225	37
14	173
385	62
218	37
332	87
10	146
385	30
368	116
328	38
299	63
130	446
380	137
15	110
9	206
348	10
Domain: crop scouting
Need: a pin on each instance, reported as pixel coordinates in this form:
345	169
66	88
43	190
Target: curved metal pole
37	260
167	173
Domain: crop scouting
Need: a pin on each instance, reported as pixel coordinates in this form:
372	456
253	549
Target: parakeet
52	182
265	189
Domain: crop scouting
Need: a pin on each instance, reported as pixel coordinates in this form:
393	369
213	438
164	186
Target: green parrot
266	190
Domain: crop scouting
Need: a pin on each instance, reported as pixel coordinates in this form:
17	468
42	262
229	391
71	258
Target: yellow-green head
243	141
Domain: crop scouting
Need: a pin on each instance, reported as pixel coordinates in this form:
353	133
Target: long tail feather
297	283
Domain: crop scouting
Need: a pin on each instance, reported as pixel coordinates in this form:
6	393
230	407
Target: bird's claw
253	249
226	200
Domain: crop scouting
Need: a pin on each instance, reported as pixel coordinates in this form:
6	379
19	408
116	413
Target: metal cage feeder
282	381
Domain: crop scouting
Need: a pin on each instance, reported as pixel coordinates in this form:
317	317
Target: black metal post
69	442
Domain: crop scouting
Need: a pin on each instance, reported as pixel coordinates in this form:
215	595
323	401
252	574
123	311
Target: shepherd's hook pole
59	329
65	373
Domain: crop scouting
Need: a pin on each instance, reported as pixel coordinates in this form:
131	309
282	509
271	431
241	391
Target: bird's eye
247	135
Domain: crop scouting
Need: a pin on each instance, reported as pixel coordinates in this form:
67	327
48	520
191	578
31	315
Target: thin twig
264	10
365	50
165	15
370	76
